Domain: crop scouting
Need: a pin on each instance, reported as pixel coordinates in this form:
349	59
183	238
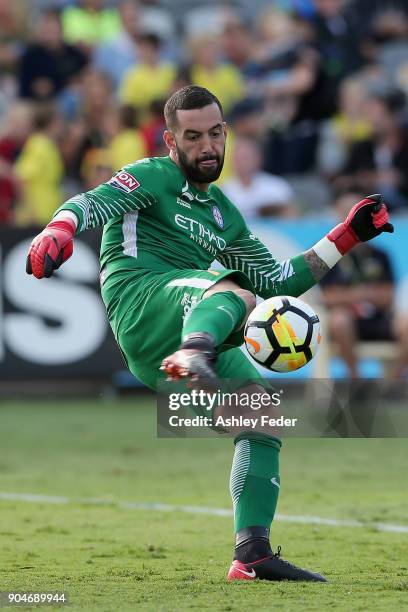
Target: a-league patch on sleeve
125	182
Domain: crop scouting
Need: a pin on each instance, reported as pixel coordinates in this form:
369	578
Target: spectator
90	23
207	70
150	79
379	164
363	13
118	55
182	79
91	127
286	73
359	294
127	144
347	127
236	43
291	147
40	169
246	119
256	193
97	98
96	168
16	129
338	43
13	29
48	64
387	44
153	129
285	69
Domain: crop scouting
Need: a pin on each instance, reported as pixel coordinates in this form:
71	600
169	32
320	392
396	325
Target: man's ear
169	139
224	128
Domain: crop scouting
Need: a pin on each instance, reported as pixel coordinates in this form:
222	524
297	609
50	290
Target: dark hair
394	100
44	115
128	116
150	38
156	108
51	13
188	98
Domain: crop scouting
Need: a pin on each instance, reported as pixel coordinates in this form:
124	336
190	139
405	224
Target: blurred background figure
209	70
359	294
287	76
310	80
150	79
90	23
127	144
379	163
364	13
40	170
115	57
90	126
285	67
254	192
15	131
153	128
387	40
337	41
97	168
14	26
236	42
246	119
347	127
48	64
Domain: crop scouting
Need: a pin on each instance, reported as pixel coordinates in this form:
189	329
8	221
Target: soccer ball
282	334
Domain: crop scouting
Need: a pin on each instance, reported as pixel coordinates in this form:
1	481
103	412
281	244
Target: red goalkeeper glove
366	220
51	248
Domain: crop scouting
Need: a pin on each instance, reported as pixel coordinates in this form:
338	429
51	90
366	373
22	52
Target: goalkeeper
164	224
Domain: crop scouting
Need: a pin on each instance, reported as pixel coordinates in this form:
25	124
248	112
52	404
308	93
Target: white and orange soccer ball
282	334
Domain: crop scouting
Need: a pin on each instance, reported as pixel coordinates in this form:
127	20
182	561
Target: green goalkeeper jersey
155	220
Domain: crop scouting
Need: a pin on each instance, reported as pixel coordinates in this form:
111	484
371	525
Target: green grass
111	558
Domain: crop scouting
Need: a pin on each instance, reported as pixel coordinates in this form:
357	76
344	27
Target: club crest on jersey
125	182
218	218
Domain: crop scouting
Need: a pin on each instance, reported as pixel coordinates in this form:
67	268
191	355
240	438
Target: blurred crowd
314	92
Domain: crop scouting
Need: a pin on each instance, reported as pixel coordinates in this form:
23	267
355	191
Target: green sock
255	482
217	315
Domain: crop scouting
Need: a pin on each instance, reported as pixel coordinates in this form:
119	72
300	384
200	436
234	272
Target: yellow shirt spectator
96	167
90	27
224	81
146	83
127	147
351	130
151	79
40	169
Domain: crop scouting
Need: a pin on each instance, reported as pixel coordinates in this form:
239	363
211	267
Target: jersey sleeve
132	188
268	276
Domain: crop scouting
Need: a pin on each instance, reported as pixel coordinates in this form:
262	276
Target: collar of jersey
201	196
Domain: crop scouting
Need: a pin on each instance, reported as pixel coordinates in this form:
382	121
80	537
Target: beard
198	174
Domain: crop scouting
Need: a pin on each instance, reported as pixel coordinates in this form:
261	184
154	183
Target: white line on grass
156	506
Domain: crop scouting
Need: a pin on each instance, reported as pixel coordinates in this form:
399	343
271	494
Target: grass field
112	557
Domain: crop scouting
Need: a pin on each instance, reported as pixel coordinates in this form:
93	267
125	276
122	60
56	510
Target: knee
248	297
226	285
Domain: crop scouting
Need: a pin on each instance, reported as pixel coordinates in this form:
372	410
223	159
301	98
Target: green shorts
147	310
